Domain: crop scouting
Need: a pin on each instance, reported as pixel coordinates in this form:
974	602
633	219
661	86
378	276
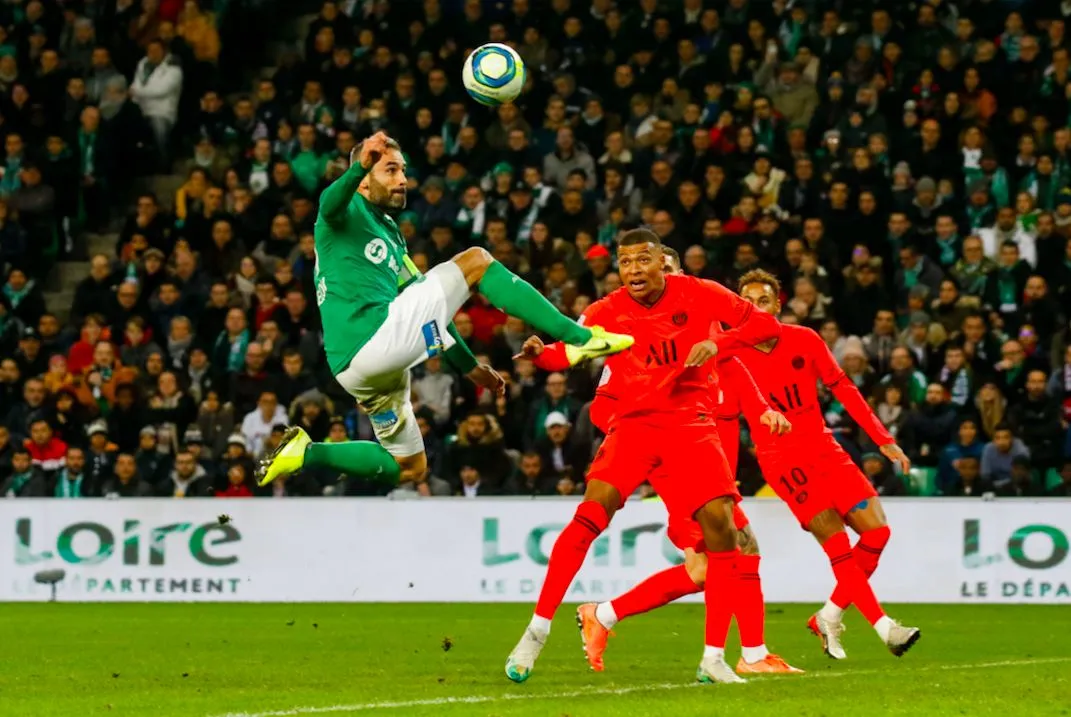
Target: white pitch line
601	691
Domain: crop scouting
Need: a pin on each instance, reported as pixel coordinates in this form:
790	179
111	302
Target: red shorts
814	480
685	532
684	463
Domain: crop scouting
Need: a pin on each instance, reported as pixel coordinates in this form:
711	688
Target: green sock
509	292
360	459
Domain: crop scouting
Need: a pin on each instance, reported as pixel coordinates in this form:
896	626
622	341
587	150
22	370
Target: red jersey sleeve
748	325
751	401
553	357
845	391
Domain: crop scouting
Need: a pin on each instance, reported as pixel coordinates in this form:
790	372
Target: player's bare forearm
335	199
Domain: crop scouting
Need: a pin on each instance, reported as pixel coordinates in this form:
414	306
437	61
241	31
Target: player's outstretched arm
750	327
549	357
845	391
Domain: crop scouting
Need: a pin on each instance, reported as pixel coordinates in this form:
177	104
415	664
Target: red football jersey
650	377
788	377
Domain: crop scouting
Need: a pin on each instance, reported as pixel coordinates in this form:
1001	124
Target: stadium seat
922	481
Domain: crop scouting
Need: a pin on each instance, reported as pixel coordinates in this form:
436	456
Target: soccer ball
493	74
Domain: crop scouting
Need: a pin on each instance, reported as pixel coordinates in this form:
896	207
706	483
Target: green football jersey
361	265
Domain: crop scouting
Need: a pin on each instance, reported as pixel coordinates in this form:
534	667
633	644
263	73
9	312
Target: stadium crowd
904	168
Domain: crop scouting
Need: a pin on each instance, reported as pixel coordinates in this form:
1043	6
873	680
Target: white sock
539	625
831	612
604	613
717	653
752	655
883	625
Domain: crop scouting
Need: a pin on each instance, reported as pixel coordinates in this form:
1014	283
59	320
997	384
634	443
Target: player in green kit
382	318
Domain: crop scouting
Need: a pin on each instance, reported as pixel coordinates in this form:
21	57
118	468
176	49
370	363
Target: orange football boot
770	665
592	634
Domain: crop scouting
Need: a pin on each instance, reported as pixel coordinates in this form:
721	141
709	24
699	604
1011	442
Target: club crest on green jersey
376	251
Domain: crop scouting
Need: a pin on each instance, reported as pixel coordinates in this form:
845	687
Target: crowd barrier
943	550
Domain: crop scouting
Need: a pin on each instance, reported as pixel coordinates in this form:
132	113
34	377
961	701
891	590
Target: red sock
869	547
750	606
659	589
867	552
850	577
568	555
720	600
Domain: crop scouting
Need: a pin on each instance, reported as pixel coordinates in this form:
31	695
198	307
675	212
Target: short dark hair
758	276
1002	427
641	235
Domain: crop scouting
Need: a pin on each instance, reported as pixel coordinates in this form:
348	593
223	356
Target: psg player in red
739	395
814	476
665	420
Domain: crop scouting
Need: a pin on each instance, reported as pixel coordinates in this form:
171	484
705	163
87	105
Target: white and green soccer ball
493	74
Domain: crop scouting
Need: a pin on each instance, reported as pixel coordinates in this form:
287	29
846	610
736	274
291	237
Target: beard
384	198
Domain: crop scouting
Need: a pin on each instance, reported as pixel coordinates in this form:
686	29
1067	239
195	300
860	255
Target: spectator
477	457
553	400
929	427
436	390
257	424
882	477
26	480
916	271
156	88
70	481
999	455
187	479
1037	420
557	451
238	483
124	481
24	299
47	452
1022	483
532	478
969	481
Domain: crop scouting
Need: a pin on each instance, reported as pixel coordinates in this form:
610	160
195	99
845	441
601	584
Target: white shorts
415	330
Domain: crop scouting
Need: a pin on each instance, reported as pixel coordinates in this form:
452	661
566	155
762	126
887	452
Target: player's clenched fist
372	149
701	353
486	377
776	422
532	347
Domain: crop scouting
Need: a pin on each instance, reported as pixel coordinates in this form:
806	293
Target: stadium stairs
64	278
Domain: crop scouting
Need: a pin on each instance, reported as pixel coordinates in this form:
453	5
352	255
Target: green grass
210	660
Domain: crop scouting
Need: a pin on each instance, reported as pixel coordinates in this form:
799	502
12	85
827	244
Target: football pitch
252	660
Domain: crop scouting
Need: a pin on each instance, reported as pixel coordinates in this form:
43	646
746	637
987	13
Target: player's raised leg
828	528
508	292
867	519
